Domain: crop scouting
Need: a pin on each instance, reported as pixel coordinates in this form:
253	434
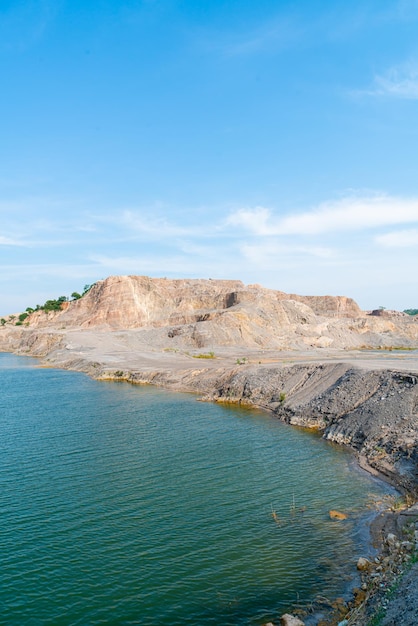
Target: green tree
54	305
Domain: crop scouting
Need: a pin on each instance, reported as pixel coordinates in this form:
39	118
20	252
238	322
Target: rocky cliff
208	313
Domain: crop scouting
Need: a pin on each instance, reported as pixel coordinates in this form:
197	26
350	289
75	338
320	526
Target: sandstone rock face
386	313
331	306
187	313
139	301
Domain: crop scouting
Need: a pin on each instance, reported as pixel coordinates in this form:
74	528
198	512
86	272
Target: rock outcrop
187	314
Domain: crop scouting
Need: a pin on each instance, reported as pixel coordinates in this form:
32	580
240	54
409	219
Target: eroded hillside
188	314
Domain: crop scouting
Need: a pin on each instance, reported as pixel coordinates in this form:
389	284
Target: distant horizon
275	142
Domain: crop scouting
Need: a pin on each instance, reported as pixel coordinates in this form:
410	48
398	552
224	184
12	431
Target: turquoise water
122	504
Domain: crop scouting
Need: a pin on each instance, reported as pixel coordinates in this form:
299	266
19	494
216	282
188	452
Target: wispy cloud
276	34
24	23
223	264
343	215
399	239
72	271
398	82
289	27
275	254
155	226
35	236
281	30
48	223
152	223
7	241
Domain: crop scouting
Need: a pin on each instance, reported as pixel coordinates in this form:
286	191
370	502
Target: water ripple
130	505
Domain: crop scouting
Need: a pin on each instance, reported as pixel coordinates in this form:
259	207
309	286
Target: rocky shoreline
371	412
367	407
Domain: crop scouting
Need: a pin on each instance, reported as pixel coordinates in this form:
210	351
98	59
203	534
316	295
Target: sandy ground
126	350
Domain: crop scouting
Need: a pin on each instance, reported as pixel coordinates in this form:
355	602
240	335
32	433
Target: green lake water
123	504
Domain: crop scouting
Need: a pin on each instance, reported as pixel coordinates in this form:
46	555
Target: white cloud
398	82
257	220
7	241
153	226
49	222
34	270
127	264
349	214
185	261
275	254
399	239
277	33
288	28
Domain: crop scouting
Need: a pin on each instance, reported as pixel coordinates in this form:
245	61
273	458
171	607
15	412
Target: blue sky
274	142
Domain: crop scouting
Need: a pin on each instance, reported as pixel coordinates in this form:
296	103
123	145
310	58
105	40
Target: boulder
363	564
290	620
337	515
